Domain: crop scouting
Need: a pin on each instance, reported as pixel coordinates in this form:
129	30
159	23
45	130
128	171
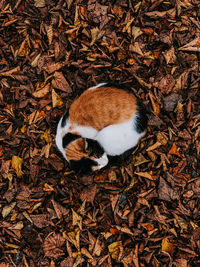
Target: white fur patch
97	86
103	161
118	138
59	137
84	131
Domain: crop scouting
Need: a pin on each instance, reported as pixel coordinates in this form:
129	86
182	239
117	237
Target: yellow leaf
17	165
46	135
56	99
114	249
167	246
45	151
23	129
147	175
136	32
76	219
12	245
96	35
39	3
112	176
134	180
86	253
7	209
42	91
154	146
34	63
140	159
162	138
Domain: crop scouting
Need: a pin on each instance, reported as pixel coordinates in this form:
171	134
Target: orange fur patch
102	107
75	150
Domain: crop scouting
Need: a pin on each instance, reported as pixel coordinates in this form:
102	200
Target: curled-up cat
105	120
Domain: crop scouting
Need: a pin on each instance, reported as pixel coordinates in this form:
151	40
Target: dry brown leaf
89	193
96	34
161	14
76	219
10	72
49	31
52	245
170	56
59	209
147	175
42	91
59	82
166	192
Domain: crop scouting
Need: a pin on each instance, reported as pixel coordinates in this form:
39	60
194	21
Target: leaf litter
142	212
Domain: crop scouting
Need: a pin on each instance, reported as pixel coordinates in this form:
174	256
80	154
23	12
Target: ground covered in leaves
144	212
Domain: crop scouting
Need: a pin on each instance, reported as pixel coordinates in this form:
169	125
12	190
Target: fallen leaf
17	165
114	249
96	34
56	99
7	209
174	150
42	92
167	246
59	82
39	3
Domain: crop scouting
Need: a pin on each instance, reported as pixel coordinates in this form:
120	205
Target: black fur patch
118	86
68	138
94	148
141	119
83	166
64	118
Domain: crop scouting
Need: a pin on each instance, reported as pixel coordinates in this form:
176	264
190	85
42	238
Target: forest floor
144	212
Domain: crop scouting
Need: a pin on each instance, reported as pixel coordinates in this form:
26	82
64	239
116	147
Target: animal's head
84	155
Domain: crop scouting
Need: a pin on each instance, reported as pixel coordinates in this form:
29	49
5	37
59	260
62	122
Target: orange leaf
118	10
148	31
130	61
121	55
148	226
174	150
156	54
114	231
167	246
